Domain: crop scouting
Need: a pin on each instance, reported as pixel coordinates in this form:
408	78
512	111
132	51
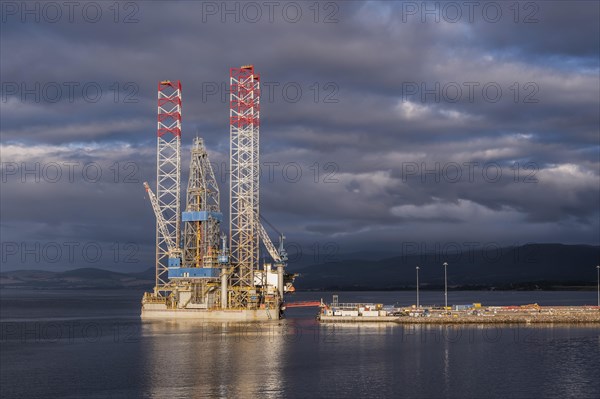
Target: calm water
92	344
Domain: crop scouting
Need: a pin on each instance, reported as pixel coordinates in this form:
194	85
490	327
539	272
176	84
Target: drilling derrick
168	167
244	117
202	214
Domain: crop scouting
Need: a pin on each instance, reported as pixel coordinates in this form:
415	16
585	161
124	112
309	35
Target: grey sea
92	344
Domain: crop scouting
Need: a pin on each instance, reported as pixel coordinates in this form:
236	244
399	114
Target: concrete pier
485	315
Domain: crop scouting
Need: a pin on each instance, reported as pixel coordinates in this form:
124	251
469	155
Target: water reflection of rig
200	275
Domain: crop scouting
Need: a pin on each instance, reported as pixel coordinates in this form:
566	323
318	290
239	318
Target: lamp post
417	287
598	271
445	285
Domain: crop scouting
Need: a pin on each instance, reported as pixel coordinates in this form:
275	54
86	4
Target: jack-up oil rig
202	274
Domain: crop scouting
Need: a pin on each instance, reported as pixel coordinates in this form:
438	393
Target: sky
384	125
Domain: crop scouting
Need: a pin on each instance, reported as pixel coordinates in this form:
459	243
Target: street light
598	271
446	285
417	287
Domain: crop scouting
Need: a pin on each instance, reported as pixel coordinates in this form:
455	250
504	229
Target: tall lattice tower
168	176
244	115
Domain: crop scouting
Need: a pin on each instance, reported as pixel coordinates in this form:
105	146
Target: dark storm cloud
356	132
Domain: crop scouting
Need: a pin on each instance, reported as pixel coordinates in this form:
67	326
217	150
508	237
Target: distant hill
534	266
311	256
76	279
541	265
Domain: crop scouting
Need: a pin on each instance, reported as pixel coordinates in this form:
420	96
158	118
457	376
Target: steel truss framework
244	116
201	238
168	175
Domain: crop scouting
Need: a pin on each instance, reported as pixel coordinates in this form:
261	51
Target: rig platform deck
211	315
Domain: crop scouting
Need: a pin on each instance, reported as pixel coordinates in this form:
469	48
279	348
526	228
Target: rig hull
163	313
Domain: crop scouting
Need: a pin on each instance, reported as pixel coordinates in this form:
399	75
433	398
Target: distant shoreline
328	289
524	287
